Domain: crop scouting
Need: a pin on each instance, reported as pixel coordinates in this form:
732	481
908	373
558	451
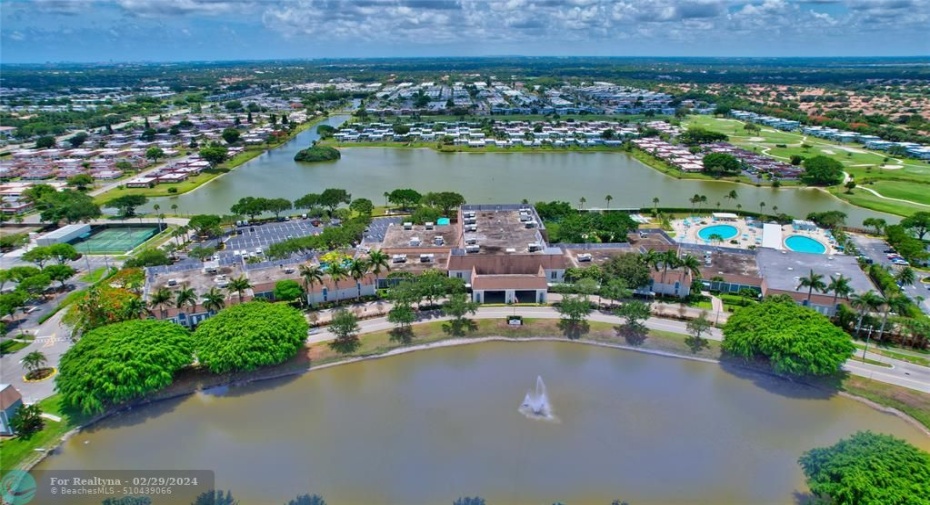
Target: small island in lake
317	153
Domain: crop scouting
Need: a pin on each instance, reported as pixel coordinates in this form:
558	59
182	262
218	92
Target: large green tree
794	339
458	306
249	335
822	171
345	326
120	362
126	204
918	222
67	205
574	310
333	197
721	164
869	469
214	155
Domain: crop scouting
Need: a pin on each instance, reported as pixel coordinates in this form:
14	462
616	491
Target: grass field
888	176
18	452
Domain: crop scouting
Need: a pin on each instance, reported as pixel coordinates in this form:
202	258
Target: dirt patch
828	151
756	139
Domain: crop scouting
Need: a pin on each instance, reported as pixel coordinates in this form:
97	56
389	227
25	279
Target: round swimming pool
803	244
725	231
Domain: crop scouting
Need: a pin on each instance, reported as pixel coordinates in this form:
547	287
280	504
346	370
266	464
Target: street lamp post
868	336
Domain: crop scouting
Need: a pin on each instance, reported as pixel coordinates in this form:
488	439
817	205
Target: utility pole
867	342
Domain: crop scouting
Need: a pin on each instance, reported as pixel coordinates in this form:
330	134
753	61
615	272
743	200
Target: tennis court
115	240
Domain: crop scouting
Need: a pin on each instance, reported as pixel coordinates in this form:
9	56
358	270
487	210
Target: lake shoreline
640	156
258	376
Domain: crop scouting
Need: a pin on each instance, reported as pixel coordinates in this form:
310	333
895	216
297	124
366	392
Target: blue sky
35	31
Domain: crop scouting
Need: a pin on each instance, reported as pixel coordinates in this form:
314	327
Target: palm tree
214	300
694	201
386	196
378	259
761	207
608	198
689	263
702	200
864	303
839	286
812	282
156	208
161	298
655	205
715	238
906	277
668	259
732	195
238	285
896	303
179	232
136	307
775	209
186	296
651	259
33	361
358	269
337	272
582	201
311	274
739	207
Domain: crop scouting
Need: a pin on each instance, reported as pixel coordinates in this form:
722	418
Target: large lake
488	178
427	427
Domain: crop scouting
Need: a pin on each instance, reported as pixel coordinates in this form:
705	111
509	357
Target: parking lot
874	249
259	237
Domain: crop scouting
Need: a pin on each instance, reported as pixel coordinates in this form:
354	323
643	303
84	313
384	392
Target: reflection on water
489	178
427	427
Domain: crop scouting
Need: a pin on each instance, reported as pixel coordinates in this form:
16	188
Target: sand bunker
756	139
892	167
827	151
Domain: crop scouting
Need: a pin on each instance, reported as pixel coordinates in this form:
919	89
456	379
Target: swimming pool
725	231
803	244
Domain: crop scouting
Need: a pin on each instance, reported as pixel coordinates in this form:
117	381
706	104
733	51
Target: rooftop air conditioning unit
472	248
408	226
399	258
470	213
438	240
470	220
510	250
471	240
471	227
584	257
534	247
426	258
530	224
415	242
525	217
429	226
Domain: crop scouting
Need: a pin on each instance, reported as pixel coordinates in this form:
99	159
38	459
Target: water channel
488	178
428	427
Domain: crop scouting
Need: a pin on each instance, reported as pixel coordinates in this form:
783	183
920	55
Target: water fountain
536	403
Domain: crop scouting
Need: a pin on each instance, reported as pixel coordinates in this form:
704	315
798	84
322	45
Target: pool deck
749	234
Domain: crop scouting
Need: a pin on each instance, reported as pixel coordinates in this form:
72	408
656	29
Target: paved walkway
52	339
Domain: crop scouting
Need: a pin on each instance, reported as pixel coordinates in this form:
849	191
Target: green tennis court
115	240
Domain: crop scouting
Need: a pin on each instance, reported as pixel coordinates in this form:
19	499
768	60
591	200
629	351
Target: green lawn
868	200
903	190
96	275
18	452
892	178
11	346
